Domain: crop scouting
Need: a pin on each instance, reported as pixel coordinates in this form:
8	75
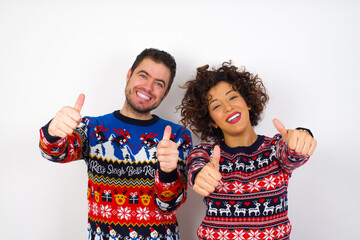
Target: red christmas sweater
251	199
129	197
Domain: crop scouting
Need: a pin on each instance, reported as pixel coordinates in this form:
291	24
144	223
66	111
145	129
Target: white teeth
233	117
143	96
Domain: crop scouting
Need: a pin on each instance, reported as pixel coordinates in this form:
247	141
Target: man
135	160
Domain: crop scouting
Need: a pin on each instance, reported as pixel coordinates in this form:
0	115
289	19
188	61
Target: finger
69	116
70	122
209	176
303	145
216	175
167	133
201	191
57	133
313	147
292	140
205	184
63	127
281	128
206	187
59	129
216	157
79	102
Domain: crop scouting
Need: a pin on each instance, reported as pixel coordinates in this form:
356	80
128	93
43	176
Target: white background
306	52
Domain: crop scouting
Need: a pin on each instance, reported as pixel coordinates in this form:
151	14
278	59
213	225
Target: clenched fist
67	119
167	152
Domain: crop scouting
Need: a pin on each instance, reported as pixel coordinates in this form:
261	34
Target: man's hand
167	152
298	140
207	180
67	119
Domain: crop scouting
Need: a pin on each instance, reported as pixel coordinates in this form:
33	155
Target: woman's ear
213	124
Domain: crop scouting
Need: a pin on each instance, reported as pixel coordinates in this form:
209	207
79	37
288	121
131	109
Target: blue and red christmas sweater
129	197
251	200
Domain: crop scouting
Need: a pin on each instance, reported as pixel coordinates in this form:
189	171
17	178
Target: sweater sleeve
63	150
289	159
170	188
197	159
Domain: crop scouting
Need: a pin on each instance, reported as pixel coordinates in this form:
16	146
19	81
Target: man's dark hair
158	56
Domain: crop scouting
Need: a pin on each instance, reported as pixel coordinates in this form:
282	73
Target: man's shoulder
174	126
100	117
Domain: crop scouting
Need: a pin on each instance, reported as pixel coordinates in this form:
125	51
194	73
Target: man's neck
130	113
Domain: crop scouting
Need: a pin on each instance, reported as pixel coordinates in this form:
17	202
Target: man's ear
128	75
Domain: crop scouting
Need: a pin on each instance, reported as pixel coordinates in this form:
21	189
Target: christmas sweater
129	197
250	201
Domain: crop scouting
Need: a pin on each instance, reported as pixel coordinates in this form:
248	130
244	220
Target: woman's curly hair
194	106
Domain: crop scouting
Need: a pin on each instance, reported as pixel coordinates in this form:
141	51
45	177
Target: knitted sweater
251	199
129	197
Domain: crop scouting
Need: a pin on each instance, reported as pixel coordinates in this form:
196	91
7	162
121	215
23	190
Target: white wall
306	52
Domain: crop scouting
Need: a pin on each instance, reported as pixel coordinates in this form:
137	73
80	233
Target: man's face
146	86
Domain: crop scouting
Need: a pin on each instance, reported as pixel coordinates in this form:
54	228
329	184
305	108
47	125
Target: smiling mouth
234	118
143	96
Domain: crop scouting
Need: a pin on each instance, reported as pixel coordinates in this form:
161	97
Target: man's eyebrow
146	73
143	71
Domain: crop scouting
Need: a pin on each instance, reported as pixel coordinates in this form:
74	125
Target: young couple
138	164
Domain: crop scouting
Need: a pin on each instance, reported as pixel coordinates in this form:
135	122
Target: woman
243	176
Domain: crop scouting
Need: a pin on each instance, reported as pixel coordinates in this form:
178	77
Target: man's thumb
216	157
79	102
167	133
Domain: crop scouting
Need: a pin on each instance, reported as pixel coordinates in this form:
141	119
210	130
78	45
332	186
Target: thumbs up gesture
207	180
299	141
67	119
167	152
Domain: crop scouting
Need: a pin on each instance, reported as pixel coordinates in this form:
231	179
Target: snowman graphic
89	230
154	235
113	234
133	235
177	233
168	234
98	234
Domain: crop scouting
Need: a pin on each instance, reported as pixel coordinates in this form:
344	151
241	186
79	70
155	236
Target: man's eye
159	84
143	76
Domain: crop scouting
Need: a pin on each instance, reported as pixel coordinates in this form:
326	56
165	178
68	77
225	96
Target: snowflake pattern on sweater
129	197
250	202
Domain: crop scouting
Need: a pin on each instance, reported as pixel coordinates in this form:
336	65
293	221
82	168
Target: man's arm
170	179
60	139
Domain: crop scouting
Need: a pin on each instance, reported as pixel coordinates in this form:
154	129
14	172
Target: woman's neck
244	139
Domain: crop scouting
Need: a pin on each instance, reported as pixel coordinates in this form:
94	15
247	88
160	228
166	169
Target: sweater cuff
193	176
48	137
168	177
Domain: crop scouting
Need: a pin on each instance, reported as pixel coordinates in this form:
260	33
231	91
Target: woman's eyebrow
214	100
229	92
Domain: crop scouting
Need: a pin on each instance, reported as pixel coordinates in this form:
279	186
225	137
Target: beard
138	107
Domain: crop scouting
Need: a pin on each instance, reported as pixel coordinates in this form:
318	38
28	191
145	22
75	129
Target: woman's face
228	110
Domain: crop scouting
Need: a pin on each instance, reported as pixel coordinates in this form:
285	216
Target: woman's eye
216	107
233	97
